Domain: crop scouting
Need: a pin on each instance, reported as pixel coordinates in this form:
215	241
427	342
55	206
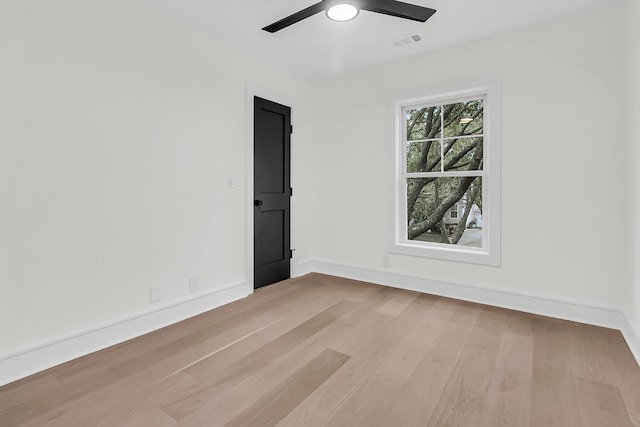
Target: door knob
257	203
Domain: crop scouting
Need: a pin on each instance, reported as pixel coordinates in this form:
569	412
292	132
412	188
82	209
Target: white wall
563	130
633	305
119	129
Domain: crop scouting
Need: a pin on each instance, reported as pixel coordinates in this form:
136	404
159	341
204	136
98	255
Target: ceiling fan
345	10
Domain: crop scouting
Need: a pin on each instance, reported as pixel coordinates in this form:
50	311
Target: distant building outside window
454	211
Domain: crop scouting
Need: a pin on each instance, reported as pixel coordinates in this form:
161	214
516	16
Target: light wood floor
325	351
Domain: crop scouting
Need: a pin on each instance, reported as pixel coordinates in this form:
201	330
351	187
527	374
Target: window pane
423	156
429	205
464	118
423	123
454	211
463	154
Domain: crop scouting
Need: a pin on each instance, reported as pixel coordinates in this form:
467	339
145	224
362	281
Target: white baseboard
30	361
633	339
567	310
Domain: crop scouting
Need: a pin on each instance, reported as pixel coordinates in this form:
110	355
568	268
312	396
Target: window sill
455	254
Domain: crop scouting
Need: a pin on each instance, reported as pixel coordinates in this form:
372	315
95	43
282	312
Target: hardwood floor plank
45	407
155	417
118	407
520	323
590	357
369	300
200	344
182	407
216	404
85	375
138	380
172	362
276	404
371	343
629	379
449	325
602	355
26	391
219	406
600	404
553	395
389	373
304	310
229	320
350	334
349	328
341	281
215	364
508	400
463	398
399	302
627	372
98	406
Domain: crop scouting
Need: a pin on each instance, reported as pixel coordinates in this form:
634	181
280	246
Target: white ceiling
317	47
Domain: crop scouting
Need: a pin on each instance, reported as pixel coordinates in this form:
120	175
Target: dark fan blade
298	16
399	9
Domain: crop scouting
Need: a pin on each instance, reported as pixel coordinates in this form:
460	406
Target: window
454	211
448	176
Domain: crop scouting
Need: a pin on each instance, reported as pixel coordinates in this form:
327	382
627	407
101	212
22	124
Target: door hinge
291	191
291	129
291	253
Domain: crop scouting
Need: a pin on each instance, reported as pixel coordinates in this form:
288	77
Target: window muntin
454	211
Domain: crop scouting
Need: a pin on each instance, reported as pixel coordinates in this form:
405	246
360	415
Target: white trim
448	138
254	90
447	174
55	352
536	304
490	254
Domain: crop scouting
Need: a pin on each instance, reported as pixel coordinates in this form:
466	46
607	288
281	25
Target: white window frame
489	254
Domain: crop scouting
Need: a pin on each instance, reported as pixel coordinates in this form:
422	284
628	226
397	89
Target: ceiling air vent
407	40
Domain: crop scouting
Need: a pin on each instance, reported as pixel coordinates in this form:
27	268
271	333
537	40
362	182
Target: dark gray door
272	192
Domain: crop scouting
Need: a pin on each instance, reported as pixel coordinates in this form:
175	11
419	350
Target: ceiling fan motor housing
342	10
330	3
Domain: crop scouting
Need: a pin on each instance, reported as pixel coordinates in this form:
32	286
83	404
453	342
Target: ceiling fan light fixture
342	12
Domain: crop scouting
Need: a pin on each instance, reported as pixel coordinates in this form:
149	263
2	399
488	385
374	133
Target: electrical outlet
155	294
194	284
